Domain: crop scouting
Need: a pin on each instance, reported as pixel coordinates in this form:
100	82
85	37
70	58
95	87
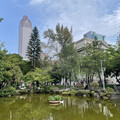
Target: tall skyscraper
25	30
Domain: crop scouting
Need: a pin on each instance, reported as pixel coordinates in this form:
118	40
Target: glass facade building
92	35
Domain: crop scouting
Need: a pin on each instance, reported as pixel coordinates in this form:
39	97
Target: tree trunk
100	80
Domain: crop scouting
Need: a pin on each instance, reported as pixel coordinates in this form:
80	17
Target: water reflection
36	107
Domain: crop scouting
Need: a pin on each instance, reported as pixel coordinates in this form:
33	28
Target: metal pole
102	76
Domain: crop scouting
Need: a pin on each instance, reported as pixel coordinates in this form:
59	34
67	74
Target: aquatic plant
55	98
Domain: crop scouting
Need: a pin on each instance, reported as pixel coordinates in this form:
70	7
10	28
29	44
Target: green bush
66	93
111	86
23	91
58	98
7	91
92	92
94	84
54	88
51	98
42	89
73	92
109	89
55	98
46	89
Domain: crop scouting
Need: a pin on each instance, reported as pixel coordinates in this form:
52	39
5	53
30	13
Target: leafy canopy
34	48
39	75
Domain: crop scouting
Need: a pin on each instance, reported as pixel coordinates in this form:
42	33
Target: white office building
25	30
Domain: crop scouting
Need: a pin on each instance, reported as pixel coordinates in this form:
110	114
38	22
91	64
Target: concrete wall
83	42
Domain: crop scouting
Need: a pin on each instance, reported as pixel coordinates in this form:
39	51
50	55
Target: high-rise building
88	38
118	40
25	30
92	35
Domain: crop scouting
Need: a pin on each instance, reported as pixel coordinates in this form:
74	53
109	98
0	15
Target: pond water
36	107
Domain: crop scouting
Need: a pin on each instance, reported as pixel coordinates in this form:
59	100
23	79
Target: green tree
62	35
25	67
12	71
55	73
2	54
38	75
66	55
45	63
34	48
17	60
1	19
113	62
69	63
14	58
90	62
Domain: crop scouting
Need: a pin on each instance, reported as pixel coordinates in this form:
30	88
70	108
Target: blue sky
102	16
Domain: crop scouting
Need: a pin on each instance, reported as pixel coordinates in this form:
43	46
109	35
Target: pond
36	107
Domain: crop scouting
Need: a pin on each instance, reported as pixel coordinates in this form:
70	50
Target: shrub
66	93
58	98
42	89
73	92
45	89
92	92
7	91
55	98
109	89
111	86
23	91
54	89
94	84
51	98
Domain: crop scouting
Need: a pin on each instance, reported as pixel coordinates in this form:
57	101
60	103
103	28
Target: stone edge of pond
100	94
83	93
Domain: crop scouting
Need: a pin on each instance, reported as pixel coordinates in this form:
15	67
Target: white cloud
83	16
34	2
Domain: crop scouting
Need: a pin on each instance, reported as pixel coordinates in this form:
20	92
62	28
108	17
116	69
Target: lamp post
102	75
